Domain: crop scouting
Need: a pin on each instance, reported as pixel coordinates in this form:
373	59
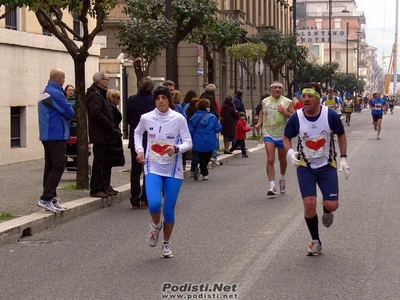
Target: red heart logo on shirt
159	149
316	145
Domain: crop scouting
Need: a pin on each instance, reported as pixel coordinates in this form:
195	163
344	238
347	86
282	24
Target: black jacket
101	126
116	114
229	117
213	106
136	106
115	151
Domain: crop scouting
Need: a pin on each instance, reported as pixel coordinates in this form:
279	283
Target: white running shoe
314	248
166	250
152	237
282	186
215	161
272	191
47	205
205	177
57	204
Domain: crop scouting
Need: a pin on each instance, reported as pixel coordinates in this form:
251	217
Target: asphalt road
228	231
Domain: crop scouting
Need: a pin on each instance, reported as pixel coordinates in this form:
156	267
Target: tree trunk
82	173
275	75
138	71
210	65
252	105
290	88
175	67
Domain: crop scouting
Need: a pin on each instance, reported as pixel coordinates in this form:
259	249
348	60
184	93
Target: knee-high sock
312	224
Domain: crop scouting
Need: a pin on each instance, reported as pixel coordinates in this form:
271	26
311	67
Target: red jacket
241	129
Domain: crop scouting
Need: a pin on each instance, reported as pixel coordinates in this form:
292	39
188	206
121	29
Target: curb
12	231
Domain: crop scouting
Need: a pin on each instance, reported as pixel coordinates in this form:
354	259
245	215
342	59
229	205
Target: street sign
321	36
200	71
259	67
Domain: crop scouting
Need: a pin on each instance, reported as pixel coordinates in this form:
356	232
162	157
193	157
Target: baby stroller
71	154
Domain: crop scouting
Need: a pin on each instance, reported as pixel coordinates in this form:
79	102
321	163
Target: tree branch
47	23
64	28
8	9
83	18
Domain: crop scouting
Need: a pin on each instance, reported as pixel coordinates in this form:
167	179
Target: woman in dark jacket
115	151
229	117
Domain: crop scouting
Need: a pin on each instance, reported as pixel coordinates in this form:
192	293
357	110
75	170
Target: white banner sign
321	36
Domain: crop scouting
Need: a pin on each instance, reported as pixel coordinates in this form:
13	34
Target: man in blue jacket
55	112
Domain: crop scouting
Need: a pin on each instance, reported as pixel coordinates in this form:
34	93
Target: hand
281	109
293	156
140	157
118	133
344	166
257	126
170	150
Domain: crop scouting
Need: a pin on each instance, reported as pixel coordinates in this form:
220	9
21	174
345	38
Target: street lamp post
294	32
330	39
347	48
168	51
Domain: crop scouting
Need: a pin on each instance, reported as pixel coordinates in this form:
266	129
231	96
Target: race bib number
314	148
157	151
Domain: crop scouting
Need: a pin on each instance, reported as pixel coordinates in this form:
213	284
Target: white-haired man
276	110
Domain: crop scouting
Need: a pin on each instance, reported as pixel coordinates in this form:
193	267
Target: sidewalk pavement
22	185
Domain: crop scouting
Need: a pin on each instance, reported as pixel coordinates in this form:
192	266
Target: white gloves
343	165
293	156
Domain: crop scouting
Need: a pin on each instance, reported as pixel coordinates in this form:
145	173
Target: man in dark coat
102	133
239	106
238	102
136	106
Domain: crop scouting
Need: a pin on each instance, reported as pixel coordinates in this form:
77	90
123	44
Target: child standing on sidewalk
241	130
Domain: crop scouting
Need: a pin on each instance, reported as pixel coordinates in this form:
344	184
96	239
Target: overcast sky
380	19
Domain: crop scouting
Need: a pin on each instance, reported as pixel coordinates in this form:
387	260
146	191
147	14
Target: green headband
312	92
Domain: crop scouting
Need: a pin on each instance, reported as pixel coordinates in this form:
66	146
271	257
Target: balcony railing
319	14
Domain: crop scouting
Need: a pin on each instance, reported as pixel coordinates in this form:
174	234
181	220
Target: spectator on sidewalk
55	112
137	105
177	98
241	130
69	92
70	95
299	104
115	151
186	101
238	102
239	106
203	127
170	85
102	133
229	118
192	108
209	93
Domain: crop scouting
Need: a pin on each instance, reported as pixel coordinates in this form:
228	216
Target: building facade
28	55
348	21
254	15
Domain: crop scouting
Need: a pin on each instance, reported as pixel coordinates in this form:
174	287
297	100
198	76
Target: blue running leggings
155	185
